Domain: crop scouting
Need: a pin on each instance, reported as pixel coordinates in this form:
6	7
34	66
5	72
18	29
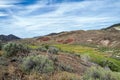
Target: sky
30	18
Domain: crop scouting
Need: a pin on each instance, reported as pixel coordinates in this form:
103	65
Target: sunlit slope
95	55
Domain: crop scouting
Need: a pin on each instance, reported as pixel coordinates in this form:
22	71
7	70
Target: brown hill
106	37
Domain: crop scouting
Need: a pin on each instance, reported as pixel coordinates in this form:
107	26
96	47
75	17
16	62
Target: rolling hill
105	37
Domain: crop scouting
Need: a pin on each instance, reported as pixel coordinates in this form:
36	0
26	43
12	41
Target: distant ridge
9	37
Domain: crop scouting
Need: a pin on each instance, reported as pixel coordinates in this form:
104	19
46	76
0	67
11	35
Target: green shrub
38	63
113	66
65	67
49	49
46	46
104	49
98	73
11	49
116	54
54	58
1	45
111	63
53	50
42	49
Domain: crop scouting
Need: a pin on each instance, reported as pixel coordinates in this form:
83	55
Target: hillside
105	37
74	55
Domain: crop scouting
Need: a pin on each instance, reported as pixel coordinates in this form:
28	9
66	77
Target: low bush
42	49
53	50
116	54
49	49
38	63
11	49
113	64
98	73
65	67
54	58
46	46
0	46
104	49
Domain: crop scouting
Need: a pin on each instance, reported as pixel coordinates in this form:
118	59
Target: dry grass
65	76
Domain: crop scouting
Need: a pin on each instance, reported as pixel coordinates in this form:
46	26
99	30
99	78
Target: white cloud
8	3
66	16
3	14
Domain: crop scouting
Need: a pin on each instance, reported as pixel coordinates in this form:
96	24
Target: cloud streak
43	17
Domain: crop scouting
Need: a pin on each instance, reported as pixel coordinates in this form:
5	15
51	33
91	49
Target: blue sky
30	18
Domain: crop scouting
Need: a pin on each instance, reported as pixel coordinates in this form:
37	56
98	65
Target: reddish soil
60	41
68	41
